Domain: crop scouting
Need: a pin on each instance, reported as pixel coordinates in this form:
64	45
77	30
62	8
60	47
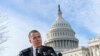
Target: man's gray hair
33	31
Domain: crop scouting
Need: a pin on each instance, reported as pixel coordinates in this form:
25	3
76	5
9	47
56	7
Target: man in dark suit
37	49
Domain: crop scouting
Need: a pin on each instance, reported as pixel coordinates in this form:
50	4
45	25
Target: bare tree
3	31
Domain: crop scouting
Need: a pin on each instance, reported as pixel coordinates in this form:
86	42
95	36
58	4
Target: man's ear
29	40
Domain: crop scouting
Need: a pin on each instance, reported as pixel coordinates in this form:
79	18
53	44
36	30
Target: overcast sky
25	15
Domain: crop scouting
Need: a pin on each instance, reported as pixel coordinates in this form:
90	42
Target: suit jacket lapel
31	52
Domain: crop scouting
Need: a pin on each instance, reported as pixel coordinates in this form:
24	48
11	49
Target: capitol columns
99	50
60	43
90	50
66	43
93	50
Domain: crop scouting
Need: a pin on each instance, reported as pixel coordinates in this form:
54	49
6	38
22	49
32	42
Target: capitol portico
62	38
94	46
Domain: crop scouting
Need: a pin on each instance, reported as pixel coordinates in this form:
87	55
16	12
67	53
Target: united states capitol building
62	38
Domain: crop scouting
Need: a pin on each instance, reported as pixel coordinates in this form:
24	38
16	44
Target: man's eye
39	36
34	37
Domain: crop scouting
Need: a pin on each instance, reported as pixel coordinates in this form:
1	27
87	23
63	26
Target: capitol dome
60	22
61	36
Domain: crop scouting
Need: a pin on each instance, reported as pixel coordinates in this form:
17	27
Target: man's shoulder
26	50
48	47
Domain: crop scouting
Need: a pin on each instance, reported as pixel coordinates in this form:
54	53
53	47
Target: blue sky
24	15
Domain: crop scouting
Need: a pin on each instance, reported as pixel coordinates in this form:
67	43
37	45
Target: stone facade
93	49
94	46
81	51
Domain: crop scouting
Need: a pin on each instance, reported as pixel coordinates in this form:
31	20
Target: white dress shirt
34	51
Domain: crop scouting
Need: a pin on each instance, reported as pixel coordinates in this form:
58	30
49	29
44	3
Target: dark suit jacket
29	51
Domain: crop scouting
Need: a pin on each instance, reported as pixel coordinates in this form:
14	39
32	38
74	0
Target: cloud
18	31
89	17
83	13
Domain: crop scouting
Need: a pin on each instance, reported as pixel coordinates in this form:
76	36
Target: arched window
58	33
66	33
61	33
55	34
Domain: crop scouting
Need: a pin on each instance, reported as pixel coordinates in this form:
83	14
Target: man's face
35	39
